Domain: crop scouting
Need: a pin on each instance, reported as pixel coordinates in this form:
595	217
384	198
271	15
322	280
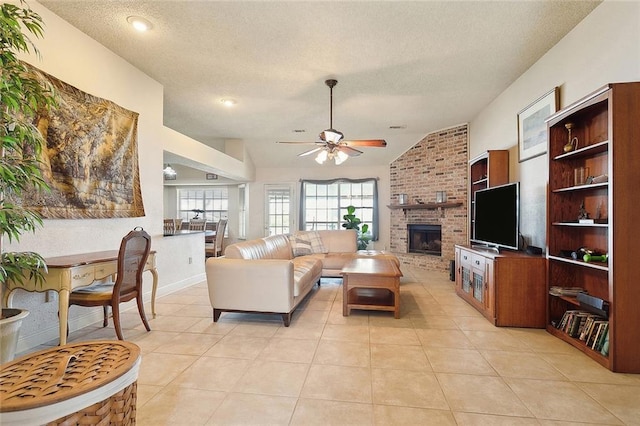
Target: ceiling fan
332	144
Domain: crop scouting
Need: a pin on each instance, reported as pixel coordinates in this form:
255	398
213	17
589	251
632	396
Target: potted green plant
353	222
21	143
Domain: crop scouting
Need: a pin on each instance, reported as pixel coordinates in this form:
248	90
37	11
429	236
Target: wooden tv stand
508	288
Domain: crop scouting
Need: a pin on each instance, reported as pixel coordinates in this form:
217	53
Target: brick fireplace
436	163
424	239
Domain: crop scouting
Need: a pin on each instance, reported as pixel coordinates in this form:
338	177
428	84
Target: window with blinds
324	203
213	202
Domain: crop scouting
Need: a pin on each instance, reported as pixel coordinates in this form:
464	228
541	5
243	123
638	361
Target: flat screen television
497	216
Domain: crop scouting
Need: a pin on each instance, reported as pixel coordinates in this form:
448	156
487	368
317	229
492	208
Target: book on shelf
588	326
565	320
565	291
592	339
604	331
578	322
605	345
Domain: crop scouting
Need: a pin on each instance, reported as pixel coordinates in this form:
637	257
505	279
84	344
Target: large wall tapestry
90	160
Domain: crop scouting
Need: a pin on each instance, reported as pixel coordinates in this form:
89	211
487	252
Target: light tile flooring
441	363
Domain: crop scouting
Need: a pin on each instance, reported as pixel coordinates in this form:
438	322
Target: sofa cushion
337	261
253	249
306	271
339	241
278	246
307	242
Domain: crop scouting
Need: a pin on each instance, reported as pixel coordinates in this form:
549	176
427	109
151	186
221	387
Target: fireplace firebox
424	239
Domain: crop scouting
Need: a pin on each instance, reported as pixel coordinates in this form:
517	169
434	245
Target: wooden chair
134	250
197	224
169	227
214	248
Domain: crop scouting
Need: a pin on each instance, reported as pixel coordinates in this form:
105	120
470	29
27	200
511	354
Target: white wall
603	48
292	176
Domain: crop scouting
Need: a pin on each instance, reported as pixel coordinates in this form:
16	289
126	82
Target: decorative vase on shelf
9	331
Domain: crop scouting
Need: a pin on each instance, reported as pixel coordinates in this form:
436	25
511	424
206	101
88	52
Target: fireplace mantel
427	206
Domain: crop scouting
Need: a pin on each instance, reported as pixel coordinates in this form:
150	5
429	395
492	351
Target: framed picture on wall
532	129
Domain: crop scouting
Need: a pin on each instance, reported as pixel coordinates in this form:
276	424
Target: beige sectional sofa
274	274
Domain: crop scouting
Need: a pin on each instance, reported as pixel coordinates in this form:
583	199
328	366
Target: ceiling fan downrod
331	83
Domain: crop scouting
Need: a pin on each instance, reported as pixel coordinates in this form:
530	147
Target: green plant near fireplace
21	143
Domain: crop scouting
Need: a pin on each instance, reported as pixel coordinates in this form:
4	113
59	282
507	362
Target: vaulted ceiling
404	69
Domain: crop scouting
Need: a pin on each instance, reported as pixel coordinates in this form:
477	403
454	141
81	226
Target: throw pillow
316	243
307	243
301	245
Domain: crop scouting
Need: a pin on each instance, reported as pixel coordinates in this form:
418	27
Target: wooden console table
371	284
66	273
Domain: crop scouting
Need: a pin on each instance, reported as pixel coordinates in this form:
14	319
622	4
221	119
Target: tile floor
441	363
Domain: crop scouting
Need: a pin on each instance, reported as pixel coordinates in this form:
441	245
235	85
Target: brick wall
436	163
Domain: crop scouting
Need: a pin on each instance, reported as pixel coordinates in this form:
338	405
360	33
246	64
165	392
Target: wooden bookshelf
605	123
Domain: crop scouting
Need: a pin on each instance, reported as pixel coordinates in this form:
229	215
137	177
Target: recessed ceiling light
228	102
140	24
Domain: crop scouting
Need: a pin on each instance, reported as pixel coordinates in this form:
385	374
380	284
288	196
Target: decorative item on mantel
441	196
402	198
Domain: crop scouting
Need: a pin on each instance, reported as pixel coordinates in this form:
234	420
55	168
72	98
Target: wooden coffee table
371	284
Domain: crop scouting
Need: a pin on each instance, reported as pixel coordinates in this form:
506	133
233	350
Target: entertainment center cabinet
597	179
508	288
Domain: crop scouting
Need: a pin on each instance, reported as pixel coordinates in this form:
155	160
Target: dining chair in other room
169	227
214	248
197	224
132	257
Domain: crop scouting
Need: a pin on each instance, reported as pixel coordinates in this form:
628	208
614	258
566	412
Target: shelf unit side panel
625	232
520	292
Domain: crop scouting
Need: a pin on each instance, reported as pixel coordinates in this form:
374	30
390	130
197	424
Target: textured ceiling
420	65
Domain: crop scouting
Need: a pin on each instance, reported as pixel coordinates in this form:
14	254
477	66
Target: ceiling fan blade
351	152
380	143
302	143
311	151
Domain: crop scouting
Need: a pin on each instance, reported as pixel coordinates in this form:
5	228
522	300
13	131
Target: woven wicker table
84	383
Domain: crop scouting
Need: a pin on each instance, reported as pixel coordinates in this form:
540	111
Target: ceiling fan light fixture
340	158
322	156
332	145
